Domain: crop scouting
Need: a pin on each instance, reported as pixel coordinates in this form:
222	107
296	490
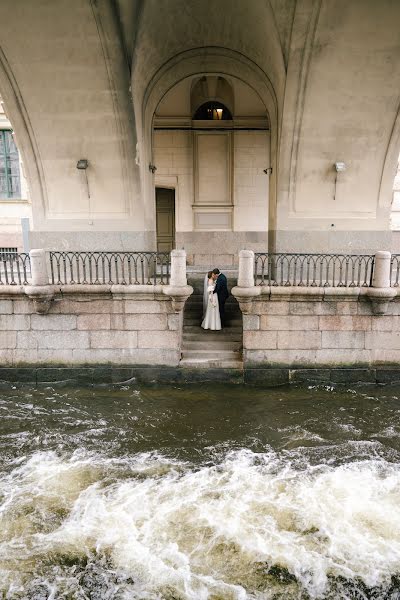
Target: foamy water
295	523
167	531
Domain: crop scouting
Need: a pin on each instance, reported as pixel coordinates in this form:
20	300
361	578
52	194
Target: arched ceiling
170	28
74	73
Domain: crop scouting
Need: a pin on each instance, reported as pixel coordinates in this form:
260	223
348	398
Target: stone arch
25	137
390	166
209	61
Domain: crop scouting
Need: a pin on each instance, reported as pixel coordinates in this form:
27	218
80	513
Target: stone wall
318	327
174	156
99	326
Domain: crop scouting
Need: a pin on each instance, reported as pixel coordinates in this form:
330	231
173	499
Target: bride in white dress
211	318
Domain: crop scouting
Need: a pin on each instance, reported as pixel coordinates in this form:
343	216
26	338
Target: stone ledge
100	375
176	294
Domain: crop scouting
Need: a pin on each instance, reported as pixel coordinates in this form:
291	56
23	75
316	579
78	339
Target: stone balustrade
288	328
80	324
299	327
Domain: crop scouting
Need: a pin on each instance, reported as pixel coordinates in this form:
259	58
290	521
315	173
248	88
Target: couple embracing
214	298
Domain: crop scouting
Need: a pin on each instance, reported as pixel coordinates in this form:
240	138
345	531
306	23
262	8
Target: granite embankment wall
329	333
89	327
326	327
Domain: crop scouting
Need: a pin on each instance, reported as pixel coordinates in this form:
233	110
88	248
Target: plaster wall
69	76
77	78
341	91
174	158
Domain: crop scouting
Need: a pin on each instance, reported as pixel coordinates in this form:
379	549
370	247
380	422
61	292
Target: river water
206	492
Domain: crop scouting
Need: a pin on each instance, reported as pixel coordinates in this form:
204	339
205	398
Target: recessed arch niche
211	88
169	102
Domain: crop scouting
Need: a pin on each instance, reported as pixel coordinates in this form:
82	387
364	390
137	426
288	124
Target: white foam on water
205	534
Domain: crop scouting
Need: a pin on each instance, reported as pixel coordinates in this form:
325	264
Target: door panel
165	219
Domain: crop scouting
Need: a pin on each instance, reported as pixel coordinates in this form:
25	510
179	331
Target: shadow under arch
25	137
205	61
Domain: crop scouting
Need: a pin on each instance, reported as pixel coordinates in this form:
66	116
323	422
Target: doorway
165	219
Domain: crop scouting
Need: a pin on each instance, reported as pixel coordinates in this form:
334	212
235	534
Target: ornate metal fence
312	270
125	268
15	269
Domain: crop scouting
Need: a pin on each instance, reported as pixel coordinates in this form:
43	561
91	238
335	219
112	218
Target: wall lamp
268	171
82	165
340	167
152	168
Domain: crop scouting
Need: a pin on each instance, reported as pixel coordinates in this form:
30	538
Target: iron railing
15	269
124	268
314	270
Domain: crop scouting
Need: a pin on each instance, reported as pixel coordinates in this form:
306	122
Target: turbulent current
207	493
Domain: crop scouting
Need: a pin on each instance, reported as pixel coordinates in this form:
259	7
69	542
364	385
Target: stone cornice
43	295
379	297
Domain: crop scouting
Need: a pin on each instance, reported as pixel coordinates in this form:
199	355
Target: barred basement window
10	182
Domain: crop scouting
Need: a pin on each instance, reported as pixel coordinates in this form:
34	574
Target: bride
211	317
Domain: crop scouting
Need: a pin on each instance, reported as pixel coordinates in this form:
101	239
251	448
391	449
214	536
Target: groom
221	289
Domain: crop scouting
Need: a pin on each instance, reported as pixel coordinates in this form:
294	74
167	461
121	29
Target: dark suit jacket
221	288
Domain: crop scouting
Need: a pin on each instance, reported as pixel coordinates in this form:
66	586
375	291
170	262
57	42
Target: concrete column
39	267
381	275
246	269
178	268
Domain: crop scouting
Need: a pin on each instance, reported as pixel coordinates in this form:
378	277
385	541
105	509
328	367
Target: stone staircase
211	349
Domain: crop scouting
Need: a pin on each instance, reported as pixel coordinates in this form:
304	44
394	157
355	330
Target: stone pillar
381	275
178	268
178	289
246	269
38	267
380	293
246	290
40	292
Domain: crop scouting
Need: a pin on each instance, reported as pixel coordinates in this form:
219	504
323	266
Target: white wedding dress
211	318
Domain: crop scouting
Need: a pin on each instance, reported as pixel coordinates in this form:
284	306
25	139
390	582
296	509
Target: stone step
204	363
199	315
199	307
211	345
193	321
228	306
202	335
212	354
197	330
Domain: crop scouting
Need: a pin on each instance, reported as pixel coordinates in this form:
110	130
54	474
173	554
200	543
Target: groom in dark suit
221	289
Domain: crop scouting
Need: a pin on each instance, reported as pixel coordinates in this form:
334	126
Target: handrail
15	268
124	268
313	270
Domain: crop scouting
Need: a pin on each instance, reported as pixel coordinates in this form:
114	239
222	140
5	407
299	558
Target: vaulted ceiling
74	76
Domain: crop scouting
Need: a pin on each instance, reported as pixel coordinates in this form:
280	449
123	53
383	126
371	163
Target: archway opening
211	145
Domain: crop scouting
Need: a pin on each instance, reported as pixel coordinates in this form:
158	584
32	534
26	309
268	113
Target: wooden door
165	219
